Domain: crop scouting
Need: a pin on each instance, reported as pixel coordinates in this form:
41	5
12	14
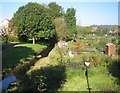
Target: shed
110	49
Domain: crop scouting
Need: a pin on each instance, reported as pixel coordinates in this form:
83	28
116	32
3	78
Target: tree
34	21
61	28
12	29
4	28
70	20
56	10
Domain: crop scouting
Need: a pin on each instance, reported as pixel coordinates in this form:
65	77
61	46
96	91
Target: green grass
35	47
69	78
99	79
13	55
76	83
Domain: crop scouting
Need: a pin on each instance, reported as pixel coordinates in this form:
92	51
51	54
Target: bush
13	39
10	39
118	49
3	39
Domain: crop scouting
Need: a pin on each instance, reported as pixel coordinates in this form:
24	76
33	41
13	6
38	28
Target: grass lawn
13	55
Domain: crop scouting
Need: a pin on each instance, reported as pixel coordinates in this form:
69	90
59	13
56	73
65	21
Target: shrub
10	39
118	49
41	86
13	39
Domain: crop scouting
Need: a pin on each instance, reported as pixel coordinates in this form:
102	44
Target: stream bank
20	70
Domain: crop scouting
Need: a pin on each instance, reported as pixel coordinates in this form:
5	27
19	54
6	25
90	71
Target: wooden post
86	74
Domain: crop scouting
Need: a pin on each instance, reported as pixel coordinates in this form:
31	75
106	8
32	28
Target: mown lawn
14	54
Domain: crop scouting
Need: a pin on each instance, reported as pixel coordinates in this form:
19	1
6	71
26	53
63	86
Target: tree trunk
33	40
6	42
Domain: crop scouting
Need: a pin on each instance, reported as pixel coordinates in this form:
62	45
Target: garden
60	72
48	53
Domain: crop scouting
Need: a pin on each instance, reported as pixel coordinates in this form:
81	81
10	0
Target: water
4	84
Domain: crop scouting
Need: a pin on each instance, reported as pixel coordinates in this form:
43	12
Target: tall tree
34	21
70	20
56	10
61	28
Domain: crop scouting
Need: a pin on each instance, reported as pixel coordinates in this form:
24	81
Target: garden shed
110	49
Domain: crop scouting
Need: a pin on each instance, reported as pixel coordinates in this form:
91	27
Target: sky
87	13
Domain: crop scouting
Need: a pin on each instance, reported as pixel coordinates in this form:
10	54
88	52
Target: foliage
76	80
84	30
104	29
60	55
34	20
23	38
55	9
70	45
70	20
42	85
118	49
47	79
13	29
54	77
61	28
11	39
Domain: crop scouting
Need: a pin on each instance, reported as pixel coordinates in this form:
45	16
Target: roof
109	44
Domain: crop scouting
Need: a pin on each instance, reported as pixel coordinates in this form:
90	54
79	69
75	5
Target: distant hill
106	26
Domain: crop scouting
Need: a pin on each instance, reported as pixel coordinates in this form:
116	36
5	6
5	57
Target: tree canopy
61	28
34	20
56	10
70	20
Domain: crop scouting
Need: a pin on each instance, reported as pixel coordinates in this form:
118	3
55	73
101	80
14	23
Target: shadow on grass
14	55
114	69
46	51
48	79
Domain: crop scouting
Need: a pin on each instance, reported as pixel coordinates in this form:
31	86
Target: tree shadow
114	69
14	55
46	51
48	79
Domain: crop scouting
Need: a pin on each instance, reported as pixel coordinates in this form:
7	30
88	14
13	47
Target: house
110	49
